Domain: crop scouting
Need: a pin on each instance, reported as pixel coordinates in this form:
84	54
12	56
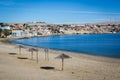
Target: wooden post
19	51
32	55
37	57
62	63
46	54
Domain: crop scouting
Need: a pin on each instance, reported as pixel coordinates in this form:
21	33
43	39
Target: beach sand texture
79	67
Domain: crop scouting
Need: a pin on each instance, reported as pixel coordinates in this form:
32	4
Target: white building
34	33
5	27
17	33
61	29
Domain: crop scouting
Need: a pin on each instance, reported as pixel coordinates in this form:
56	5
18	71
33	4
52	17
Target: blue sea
93	44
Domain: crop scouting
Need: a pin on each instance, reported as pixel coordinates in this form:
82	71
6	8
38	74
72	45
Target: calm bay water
93	44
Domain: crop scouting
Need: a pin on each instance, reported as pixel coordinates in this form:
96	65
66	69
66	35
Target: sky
60	11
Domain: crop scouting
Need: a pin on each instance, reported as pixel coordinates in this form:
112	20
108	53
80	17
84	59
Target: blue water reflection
94	44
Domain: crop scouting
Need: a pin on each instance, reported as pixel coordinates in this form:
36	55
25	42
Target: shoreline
85	55
7	41
62	49
79	67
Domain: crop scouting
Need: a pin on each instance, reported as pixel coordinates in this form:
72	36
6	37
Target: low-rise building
5	27
17	33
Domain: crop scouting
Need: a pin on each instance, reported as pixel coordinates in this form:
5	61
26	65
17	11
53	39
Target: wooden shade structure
32	50
20	46
62	56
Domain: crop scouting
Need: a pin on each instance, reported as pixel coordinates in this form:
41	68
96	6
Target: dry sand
79	67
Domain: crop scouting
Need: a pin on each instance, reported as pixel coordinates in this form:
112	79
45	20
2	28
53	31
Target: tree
54	29
0	32
2	24
7	32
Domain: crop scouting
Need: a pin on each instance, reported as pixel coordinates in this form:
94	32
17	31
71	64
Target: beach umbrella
62	56
32	50
20	46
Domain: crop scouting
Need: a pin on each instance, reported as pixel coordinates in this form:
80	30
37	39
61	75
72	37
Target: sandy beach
79	67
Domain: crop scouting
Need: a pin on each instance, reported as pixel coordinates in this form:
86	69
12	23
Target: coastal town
22	62
31	29
59	40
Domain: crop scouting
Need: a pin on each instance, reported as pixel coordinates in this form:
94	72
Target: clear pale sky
59	11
